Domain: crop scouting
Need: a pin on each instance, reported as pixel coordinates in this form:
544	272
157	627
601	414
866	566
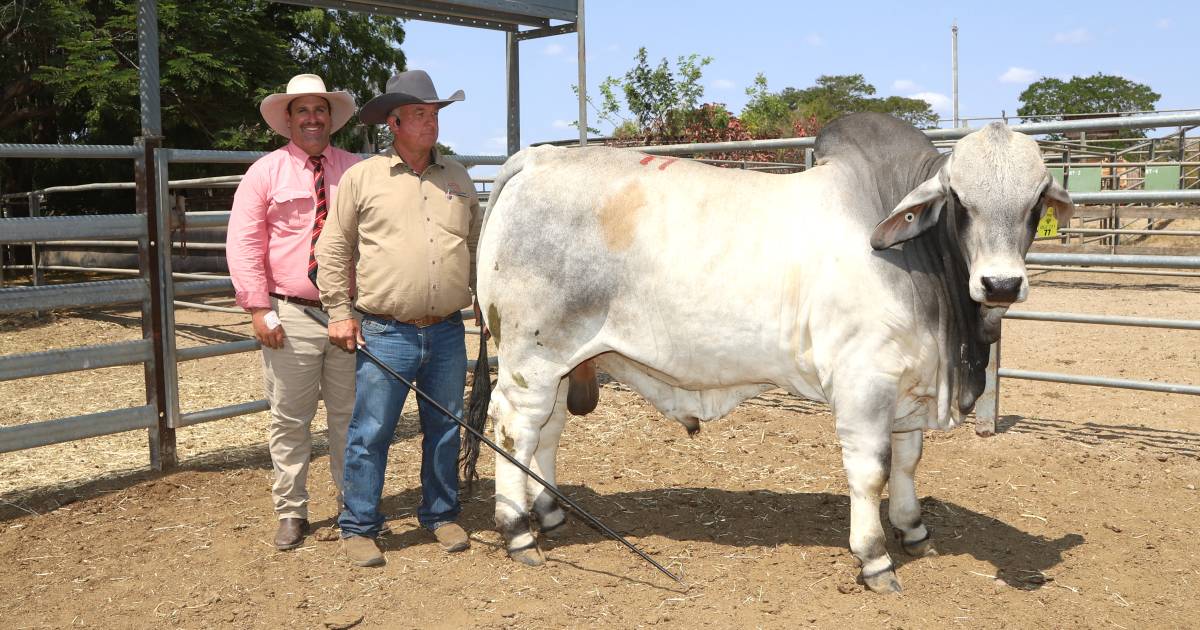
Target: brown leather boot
290	533
362	551
452	537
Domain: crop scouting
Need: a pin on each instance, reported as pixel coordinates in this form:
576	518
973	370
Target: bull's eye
908	216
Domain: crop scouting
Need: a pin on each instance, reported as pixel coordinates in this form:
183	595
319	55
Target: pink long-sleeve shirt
271	222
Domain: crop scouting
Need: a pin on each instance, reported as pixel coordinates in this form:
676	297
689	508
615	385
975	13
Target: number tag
1048	226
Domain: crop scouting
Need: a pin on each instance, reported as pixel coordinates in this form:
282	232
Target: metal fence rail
157	291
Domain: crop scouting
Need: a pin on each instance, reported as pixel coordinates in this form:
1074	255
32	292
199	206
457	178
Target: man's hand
345	334
484	333
267	336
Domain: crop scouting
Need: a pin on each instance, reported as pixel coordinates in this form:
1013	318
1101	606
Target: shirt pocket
291	207
454	215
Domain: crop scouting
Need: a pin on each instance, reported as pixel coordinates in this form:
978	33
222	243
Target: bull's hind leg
903	508
550	516
520	408
863	417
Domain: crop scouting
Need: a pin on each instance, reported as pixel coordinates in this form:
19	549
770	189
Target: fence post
162	434
987	408
35	210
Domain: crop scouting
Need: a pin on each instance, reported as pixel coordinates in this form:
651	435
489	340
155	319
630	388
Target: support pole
583	127
514	92
155	309
162	435
954	70
35	210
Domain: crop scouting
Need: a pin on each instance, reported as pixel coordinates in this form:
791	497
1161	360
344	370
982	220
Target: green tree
70	74
658	98
1054	99
767	114
804	111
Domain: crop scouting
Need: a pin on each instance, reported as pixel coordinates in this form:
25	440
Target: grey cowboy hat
412	87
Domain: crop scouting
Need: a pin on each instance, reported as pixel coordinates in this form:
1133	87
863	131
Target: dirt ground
1079	513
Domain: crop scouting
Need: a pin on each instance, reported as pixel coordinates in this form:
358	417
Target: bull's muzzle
1000	290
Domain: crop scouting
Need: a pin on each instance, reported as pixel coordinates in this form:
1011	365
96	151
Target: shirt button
430	240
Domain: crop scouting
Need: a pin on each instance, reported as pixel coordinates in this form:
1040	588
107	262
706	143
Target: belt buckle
425	322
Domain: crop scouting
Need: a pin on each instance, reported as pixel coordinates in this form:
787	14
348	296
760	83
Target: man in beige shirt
405	226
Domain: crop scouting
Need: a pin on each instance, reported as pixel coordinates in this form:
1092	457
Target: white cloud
1163	23
905	85
561	124
722	84
553	50
1018	75
936	100
1076	36
812	39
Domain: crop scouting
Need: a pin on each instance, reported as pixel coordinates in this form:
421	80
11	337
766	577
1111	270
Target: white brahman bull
874	281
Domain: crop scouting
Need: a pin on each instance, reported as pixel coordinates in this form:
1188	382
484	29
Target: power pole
954	71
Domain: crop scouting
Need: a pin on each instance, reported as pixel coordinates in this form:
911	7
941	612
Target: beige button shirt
410	238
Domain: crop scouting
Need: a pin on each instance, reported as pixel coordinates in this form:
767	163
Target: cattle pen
1077	511
153	164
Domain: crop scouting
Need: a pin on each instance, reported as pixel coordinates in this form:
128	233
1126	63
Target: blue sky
901	48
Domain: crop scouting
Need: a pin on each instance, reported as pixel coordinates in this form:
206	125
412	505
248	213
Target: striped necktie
318	164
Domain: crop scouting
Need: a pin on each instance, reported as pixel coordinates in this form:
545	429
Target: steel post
582	63
35	210
148	79
162	435
513	69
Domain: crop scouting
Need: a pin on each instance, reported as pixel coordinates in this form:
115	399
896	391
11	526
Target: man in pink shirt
278	211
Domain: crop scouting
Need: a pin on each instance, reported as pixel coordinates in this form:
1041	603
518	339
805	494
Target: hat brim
274	110
376	110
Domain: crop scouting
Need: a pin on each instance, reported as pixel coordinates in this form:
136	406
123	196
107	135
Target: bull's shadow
735	518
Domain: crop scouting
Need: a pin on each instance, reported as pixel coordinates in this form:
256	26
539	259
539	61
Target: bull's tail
475	415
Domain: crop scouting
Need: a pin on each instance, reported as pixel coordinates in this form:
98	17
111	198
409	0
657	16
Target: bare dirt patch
1081	512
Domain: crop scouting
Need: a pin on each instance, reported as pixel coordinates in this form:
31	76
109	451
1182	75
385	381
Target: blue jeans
434	359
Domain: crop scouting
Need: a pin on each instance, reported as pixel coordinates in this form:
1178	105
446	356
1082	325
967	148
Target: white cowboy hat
274	107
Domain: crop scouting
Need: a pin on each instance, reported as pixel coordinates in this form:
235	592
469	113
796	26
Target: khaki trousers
304	370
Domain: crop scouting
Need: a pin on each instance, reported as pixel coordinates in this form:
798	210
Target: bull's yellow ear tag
1048	226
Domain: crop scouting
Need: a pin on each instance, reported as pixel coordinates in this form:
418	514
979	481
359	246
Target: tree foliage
658	97
1053	99
70	73
804	111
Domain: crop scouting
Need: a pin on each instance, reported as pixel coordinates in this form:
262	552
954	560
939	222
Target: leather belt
296	300
422	322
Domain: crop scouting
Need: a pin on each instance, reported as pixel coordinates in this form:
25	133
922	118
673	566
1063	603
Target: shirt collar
302	156
395	160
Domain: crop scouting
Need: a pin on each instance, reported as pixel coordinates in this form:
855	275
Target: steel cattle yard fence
156	291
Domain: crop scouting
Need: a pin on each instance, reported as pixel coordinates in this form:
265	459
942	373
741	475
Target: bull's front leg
904	510
864	419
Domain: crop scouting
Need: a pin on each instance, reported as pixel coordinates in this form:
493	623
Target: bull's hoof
883	582
922	549
554	531
531	556
918	548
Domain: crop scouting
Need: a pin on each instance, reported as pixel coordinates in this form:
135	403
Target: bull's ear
1057	197
917	212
